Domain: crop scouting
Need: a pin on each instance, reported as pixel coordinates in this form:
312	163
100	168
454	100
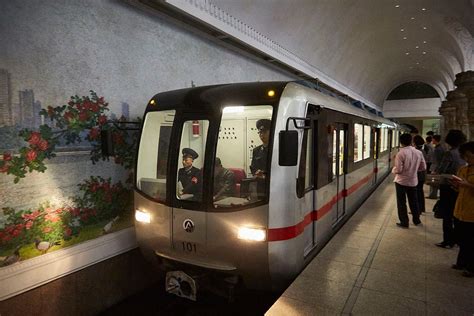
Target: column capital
464	80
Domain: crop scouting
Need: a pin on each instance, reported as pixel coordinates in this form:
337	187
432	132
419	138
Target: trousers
403	193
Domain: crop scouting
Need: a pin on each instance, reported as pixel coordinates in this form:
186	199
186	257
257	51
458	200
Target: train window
192	147
384	145
342	142
358	139
241	167
305	172
366	145
394	138
153	153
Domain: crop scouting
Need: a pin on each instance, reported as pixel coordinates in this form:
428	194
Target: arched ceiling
369	46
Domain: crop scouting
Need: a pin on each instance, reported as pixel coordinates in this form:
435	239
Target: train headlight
142	217
253	234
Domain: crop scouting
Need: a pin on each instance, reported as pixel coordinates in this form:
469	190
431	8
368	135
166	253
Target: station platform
373	267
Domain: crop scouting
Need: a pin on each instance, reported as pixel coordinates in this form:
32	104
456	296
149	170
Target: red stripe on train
285	233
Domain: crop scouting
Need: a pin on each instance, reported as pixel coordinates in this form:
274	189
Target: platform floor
373	267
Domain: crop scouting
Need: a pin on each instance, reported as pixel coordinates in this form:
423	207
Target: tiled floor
373	267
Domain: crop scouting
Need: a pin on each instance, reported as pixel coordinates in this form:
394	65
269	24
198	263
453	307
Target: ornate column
451	111
458	110
465	83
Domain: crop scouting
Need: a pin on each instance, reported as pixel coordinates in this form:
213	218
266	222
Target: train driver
190	176
224	181
258	167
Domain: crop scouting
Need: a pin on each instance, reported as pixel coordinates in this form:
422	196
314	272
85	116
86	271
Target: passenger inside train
224	181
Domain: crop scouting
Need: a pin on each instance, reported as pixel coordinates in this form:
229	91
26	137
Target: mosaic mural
45	149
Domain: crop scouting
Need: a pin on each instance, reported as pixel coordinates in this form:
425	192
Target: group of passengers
453	163
190	177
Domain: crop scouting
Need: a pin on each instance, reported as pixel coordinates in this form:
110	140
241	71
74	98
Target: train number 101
188	246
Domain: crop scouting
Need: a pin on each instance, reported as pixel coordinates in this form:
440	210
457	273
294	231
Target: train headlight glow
254	234
142	217
271	93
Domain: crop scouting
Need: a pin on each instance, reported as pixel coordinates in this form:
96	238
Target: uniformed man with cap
258	167
190	176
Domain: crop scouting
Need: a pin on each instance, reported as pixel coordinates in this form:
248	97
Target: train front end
202	184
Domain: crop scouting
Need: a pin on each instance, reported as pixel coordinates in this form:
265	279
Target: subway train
298	163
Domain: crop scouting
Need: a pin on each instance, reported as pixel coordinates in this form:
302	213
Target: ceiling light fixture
424	42
407	53
417	47
402	30
412	18
424	53
423	9
404	37
424	27
398	6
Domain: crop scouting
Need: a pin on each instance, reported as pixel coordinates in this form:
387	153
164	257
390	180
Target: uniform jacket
259	159
191	180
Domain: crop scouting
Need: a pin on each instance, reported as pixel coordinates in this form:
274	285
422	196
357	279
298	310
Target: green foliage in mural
70	122
100	206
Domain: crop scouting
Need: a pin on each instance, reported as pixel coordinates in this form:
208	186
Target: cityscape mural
57	188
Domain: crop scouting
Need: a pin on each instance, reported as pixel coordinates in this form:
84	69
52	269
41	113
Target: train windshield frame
206	160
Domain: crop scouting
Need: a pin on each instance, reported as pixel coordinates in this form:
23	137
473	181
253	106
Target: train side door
306	178
339	168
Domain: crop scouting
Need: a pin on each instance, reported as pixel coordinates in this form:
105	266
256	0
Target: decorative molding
26	275
216	18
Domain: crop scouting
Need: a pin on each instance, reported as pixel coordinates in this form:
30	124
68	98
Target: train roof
200	98
329	102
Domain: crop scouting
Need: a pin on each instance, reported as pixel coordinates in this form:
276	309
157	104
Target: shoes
432	197
457	267
402	225
467	274
417	223
444	245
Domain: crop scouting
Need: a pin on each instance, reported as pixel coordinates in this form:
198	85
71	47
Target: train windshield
235	176
153	154
241	165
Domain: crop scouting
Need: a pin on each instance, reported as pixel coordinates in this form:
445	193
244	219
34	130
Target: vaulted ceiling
369	46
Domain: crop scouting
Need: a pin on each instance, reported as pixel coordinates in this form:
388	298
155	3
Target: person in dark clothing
421	175
190	176
437	155
428	151
450	164
224	181
258	167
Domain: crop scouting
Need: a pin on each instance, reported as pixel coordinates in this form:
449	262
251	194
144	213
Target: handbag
438	213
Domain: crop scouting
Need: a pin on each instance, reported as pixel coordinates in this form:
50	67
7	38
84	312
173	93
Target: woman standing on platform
450	164
464	212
